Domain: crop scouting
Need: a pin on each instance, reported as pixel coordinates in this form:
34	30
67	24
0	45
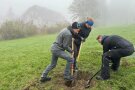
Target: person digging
86	28
114	47
59	47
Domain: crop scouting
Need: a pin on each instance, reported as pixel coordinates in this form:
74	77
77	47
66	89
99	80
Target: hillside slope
23	60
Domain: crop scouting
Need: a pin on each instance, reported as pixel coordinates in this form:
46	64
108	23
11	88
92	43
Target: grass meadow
23	60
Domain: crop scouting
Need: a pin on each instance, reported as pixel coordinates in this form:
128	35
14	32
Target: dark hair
76	25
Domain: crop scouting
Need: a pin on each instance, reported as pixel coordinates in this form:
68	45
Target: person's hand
72	51
72	60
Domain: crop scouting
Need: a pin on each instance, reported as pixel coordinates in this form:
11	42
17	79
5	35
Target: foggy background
15	8
22	18
107	11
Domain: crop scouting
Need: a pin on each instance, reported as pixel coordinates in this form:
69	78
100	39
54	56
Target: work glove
71	51
72	61
106	56
82	39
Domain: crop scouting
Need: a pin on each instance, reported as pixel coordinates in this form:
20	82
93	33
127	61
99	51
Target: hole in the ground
81	80
58	82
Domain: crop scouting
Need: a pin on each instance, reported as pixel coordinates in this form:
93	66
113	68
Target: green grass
23	60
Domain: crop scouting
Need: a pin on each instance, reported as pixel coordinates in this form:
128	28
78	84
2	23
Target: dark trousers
113	56
115	64
77	44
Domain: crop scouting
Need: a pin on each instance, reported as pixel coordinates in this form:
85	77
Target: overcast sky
19	6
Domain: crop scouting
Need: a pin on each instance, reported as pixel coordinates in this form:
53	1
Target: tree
88	8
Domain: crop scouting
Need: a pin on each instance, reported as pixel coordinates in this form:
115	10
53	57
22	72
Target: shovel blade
70	83
87	85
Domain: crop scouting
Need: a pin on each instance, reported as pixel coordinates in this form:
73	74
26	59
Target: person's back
114	47
63	40
84	31
119	42
115	42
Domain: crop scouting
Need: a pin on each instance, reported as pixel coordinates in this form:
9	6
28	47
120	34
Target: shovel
72	83
75	71
89	81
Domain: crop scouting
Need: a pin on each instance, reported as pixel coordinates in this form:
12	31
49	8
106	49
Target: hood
71	30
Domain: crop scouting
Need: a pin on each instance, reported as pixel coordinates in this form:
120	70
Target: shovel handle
72	65
93	76
78	57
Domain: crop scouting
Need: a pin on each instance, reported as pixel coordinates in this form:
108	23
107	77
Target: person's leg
77	44
112	54
121	53
66	56
76	51
105	72
115	64
49	67
116	57
127	51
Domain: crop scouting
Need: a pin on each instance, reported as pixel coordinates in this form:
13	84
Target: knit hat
90	23
76	25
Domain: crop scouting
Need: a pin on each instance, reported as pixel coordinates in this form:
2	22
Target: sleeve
105	48
67	41
87	33
77	36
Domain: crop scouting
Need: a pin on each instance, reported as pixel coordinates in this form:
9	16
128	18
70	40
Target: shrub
53	28
17	29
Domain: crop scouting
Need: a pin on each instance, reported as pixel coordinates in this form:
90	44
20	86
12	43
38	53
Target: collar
103	39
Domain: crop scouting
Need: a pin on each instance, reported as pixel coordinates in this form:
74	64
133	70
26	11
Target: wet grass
23	60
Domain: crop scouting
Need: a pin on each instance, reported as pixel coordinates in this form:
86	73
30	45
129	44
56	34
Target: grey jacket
63	41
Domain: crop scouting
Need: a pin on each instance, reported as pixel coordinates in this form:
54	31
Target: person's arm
67	41
80	37
105	47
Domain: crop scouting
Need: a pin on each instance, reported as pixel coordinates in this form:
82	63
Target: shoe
68	78
115	70
44	79
99	78
76	69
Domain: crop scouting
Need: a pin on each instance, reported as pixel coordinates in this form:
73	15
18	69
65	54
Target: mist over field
29	27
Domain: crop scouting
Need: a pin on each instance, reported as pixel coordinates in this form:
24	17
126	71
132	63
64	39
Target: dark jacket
114	42
84	32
